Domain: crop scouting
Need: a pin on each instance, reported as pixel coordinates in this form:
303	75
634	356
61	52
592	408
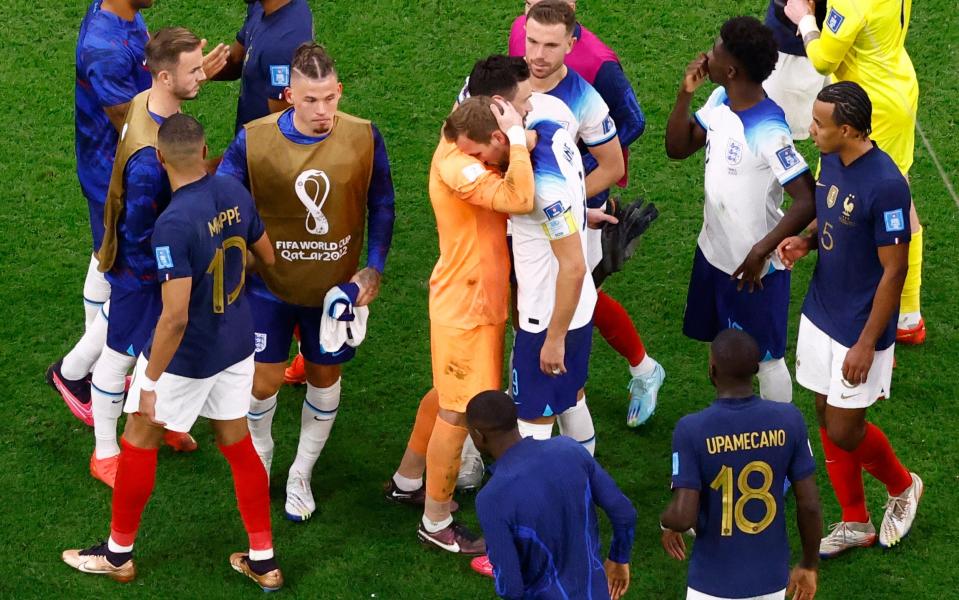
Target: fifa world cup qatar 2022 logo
313	188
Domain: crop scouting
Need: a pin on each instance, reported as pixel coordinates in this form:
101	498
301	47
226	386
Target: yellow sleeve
844	20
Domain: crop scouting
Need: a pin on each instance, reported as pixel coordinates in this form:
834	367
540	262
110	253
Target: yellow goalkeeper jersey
864	41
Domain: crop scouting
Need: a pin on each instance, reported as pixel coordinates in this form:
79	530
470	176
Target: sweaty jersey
737	453
204	234
859	208
269	42
559	211
110	70
749	157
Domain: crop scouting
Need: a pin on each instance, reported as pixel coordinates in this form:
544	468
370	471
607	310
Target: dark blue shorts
96	222
273	324
133	316
537	394
713	304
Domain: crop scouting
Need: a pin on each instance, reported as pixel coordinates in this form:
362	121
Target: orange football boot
295	374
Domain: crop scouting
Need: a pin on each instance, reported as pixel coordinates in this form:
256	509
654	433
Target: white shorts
692	594
794	86
180	400
594	245
819	361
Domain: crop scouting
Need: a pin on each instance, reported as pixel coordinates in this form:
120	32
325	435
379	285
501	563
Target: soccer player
794	83
865	41
260	56
729	464
847	331
480	172
318	177
750	158
199	361
542	537
564	59
138	193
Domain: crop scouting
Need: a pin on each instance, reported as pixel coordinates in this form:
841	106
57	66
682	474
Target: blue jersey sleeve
145	182
380	206
685	471
242	34
624	108
108	71
622	515
233	162
890	212
500	548
172	242
802	464
275	63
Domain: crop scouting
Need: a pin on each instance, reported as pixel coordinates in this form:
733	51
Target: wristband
148	385
516	135
808	25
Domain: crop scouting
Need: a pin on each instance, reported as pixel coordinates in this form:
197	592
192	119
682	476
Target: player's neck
305	129
547	83
121	8
271	6
734	390
501	445
744	97
855	150
185	176
163	104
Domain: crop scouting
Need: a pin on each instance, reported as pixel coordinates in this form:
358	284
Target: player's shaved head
498	75
733	357
472	119
751	46
491	411
165	47
181	140
553	12
311	60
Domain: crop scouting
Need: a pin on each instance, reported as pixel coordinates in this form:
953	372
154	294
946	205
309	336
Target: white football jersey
749	157
559	211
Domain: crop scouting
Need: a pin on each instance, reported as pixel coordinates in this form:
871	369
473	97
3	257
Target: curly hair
752	45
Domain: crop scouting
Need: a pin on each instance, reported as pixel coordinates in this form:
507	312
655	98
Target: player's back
469	286
738	453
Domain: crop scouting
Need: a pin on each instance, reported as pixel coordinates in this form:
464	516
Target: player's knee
846	435
142	433
322	376
267	380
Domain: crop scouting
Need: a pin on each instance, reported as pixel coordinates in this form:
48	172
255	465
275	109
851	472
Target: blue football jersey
859	208
737	453
204	234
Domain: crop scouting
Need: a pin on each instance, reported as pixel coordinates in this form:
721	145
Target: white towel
343	324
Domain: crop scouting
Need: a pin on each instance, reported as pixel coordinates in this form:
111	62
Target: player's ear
206	151
160	158
500	138
288	95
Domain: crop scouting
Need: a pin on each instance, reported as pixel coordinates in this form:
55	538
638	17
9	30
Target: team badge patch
734	152
894	220
553	210
834	20
259	341
787	157
164	258
832	196
279	75
473	172
675	464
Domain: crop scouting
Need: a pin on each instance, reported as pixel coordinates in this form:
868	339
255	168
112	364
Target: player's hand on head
617	575
674	544
597	217
214	60
750	272
368	280
551	357
696	74
147	407
797	9
506	115
802	584
858	361
792	249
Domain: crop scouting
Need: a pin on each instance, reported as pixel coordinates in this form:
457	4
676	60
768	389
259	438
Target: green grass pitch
401	64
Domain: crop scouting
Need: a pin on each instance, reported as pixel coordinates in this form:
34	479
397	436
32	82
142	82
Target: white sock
406	484
434	526
537	431
96	291
84	354
109	383
260	422
644	367
260	554
909	320
115	547
316	422
774	381
577	423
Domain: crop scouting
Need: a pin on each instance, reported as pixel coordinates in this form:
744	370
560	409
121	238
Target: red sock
252	488
617	328
877	456
845	473
136	475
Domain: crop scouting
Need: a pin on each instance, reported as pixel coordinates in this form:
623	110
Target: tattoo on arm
810	38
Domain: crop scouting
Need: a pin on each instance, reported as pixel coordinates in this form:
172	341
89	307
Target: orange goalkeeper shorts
466	362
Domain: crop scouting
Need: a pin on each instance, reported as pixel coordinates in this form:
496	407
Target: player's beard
183	93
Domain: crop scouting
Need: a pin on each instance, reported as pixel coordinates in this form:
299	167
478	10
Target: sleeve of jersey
381	206
624	108
597	125
276	60
501	550
779	151
241	34
890	212
473	183
233	162
108	71
685	471
517	37
553	207
254	224
171	248
844	20
702	115
802	464
621	513
144	182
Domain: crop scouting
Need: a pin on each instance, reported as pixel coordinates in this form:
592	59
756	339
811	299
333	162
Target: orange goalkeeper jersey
470	282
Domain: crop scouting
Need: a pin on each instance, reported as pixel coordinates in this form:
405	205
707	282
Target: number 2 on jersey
217	269
737	511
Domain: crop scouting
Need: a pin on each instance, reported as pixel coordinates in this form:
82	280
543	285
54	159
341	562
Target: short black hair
851	105
491	411
497	75
180	135
735	354
752	45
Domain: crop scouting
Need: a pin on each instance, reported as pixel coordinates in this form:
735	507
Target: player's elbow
175	322
823	67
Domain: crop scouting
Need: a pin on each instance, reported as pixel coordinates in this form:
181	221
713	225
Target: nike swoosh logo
845	397
454	547
820	184
116	401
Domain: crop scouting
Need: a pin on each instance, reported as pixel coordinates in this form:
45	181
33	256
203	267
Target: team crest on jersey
313	188
834	20
787	157
259	341
280	75
894	220
832	196
734	152
847	207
